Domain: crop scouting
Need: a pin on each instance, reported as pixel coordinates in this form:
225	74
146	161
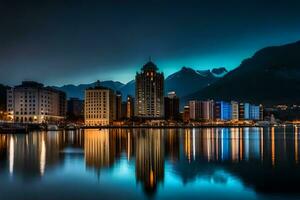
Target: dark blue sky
60	42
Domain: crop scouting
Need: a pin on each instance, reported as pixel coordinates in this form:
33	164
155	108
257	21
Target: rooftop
150	66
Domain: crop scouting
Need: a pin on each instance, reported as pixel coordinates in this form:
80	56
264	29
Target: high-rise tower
149	92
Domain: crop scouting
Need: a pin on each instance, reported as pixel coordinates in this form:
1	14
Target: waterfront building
250	112
207	110
149	92
75	108
254	112
171	105
217	111
129	107
246	111
99	106
261	112
241	111
195	110
31	102
223	111
186	114
118	106
234	110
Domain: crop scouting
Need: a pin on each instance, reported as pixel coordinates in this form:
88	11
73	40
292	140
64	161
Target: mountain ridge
270	76
181	81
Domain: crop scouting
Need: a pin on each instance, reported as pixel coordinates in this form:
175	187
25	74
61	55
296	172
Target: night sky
73	42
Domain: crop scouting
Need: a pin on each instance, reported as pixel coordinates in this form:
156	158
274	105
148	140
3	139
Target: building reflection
172	145
30	154
98	152
149	168
191	153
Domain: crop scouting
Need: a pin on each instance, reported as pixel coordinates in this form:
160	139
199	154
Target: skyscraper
149	92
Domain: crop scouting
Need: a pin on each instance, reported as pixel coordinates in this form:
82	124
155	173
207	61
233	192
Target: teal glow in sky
73	42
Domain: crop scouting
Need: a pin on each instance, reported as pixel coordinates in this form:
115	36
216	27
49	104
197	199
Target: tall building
246	111
195	110
261	112
223	110
149	92
234	110
186	114
171	105
129	107
118	106
99	106
34	103
250	112
241	111
207	110
254	112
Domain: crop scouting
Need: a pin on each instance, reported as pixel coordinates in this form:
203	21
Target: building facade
149	92
234	110
186	114
129	107
99	106
208	110
171	105
195	110
254	112
31	102
223	111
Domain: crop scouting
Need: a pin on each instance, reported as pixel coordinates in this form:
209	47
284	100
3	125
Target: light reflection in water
43	156
11	155
296	144
189	153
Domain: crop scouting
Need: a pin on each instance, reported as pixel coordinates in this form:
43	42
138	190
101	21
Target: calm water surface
215	163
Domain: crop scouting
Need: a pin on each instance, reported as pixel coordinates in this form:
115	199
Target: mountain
183	82
128	89
78	90
188	80
219	72
270	76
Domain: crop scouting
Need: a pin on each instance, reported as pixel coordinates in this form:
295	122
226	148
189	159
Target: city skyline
152	99
106	41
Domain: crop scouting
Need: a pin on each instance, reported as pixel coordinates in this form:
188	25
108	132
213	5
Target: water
215	163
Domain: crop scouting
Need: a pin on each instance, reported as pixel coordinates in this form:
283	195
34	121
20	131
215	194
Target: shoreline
172	127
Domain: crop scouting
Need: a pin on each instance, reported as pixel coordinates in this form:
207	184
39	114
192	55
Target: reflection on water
250	162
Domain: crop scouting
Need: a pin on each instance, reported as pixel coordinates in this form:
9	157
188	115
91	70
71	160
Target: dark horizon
74	42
